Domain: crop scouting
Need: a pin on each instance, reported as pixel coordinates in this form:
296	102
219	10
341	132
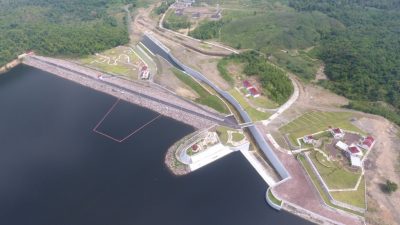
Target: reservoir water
56	170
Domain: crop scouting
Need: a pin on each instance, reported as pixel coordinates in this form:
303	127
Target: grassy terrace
254	114
333	174
223	135
206	98
314	180
316	121
356	198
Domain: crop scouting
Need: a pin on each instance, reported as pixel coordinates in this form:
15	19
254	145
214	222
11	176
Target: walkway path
153	98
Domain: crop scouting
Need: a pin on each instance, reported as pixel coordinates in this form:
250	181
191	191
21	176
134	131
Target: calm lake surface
55	170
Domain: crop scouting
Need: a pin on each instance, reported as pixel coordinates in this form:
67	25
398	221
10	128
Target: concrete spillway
158	48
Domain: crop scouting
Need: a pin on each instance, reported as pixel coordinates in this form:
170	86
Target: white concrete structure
261	170
208	156
342	146
355	161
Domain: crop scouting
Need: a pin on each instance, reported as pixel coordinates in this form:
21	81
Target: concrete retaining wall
270	202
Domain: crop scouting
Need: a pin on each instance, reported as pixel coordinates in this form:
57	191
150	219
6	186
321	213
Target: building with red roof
247	84
337	133
309	139
354	151
144	73
367	143
254	92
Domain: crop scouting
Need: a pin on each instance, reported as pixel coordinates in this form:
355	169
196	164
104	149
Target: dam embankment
148	96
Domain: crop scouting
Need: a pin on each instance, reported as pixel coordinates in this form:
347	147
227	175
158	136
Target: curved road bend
158	48
224	121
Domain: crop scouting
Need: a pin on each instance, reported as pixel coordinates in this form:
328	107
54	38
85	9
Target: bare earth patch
167	79
320	75
382	163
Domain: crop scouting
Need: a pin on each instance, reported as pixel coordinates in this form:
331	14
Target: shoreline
9	66
129	91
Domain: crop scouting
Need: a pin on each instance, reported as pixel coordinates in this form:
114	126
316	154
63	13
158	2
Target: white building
355	161
342	146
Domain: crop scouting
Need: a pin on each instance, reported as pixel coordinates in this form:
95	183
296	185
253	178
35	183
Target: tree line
275	83
65	27
363	60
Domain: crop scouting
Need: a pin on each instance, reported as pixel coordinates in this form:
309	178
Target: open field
334	175
205	97
253	113
120	61
316	121
298	62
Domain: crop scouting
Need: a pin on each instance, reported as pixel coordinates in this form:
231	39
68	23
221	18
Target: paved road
158	48
223	121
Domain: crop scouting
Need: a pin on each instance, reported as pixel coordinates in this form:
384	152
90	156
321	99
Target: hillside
363	60
64	27
358	41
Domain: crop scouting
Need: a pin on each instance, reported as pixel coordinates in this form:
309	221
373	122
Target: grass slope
313	122
206	98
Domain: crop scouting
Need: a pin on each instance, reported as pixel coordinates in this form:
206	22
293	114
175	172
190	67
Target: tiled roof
254	91
354	149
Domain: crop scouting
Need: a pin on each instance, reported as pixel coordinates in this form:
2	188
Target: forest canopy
275	83
363	60
62	27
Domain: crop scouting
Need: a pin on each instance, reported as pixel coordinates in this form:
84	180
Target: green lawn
236	137
315	181
223	134
273	198
356	198
264	102
206	98
316	121
117	64
333	174
254	114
